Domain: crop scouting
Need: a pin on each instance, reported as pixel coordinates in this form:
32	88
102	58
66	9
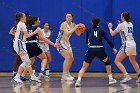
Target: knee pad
26	60
107	62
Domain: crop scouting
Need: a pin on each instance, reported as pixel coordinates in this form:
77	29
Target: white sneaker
34	78
47	72
17	80
138	81
112	81
43	74
70	76
78	83
125	79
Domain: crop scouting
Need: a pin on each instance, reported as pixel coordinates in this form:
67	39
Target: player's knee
72	59
28	63
68	58
107	62
116	61
26	60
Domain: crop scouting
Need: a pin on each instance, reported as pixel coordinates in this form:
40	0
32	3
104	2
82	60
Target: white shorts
19	46
44	47
65	45
129	48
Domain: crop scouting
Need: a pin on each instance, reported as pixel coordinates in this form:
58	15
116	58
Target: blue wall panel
53	11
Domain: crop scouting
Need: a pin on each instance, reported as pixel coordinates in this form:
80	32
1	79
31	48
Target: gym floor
90	84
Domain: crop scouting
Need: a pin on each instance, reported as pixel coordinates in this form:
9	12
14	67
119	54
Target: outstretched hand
56	45
110	25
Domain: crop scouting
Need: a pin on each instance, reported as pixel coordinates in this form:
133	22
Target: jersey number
30	31
95	34
130	30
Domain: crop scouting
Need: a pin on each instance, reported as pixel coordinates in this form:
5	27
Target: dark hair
69	13
45	23
17	18
126	16
33	20
95	21
28	18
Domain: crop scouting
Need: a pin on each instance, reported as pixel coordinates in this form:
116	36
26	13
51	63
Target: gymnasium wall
53	11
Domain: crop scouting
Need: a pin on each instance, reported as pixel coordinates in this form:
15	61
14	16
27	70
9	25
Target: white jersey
19	31
47	34
19	39
128	44
63	39
126	31
61	35
43	45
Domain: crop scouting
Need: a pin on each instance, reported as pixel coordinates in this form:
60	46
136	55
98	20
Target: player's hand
56	45
115	50
110	25
76	26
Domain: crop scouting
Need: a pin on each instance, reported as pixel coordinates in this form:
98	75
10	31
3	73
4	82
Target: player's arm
12	31
110	43
64	28
29	35
113	33
43	38
24	30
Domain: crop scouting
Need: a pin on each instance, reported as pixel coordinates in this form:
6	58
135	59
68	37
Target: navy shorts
95	52
33	49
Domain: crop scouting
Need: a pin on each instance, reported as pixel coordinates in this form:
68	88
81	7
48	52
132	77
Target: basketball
81	28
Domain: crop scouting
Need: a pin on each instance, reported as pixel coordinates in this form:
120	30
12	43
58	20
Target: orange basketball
81	28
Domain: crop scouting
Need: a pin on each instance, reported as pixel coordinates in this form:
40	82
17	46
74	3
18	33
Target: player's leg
135	65
49	59
67	59
81	73
118	61
103	57
16	64
87	60
43	58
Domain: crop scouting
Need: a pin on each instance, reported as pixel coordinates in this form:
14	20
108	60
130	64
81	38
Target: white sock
79	78
14	72
42	69
125	74
17	75
64	73
110	76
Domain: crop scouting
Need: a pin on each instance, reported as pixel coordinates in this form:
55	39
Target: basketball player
45	47
66	30
17	57
128	47
20	47
94	38
33	46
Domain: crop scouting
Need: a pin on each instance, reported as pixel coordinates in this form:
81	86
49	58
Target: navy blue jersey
94	37
31	29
